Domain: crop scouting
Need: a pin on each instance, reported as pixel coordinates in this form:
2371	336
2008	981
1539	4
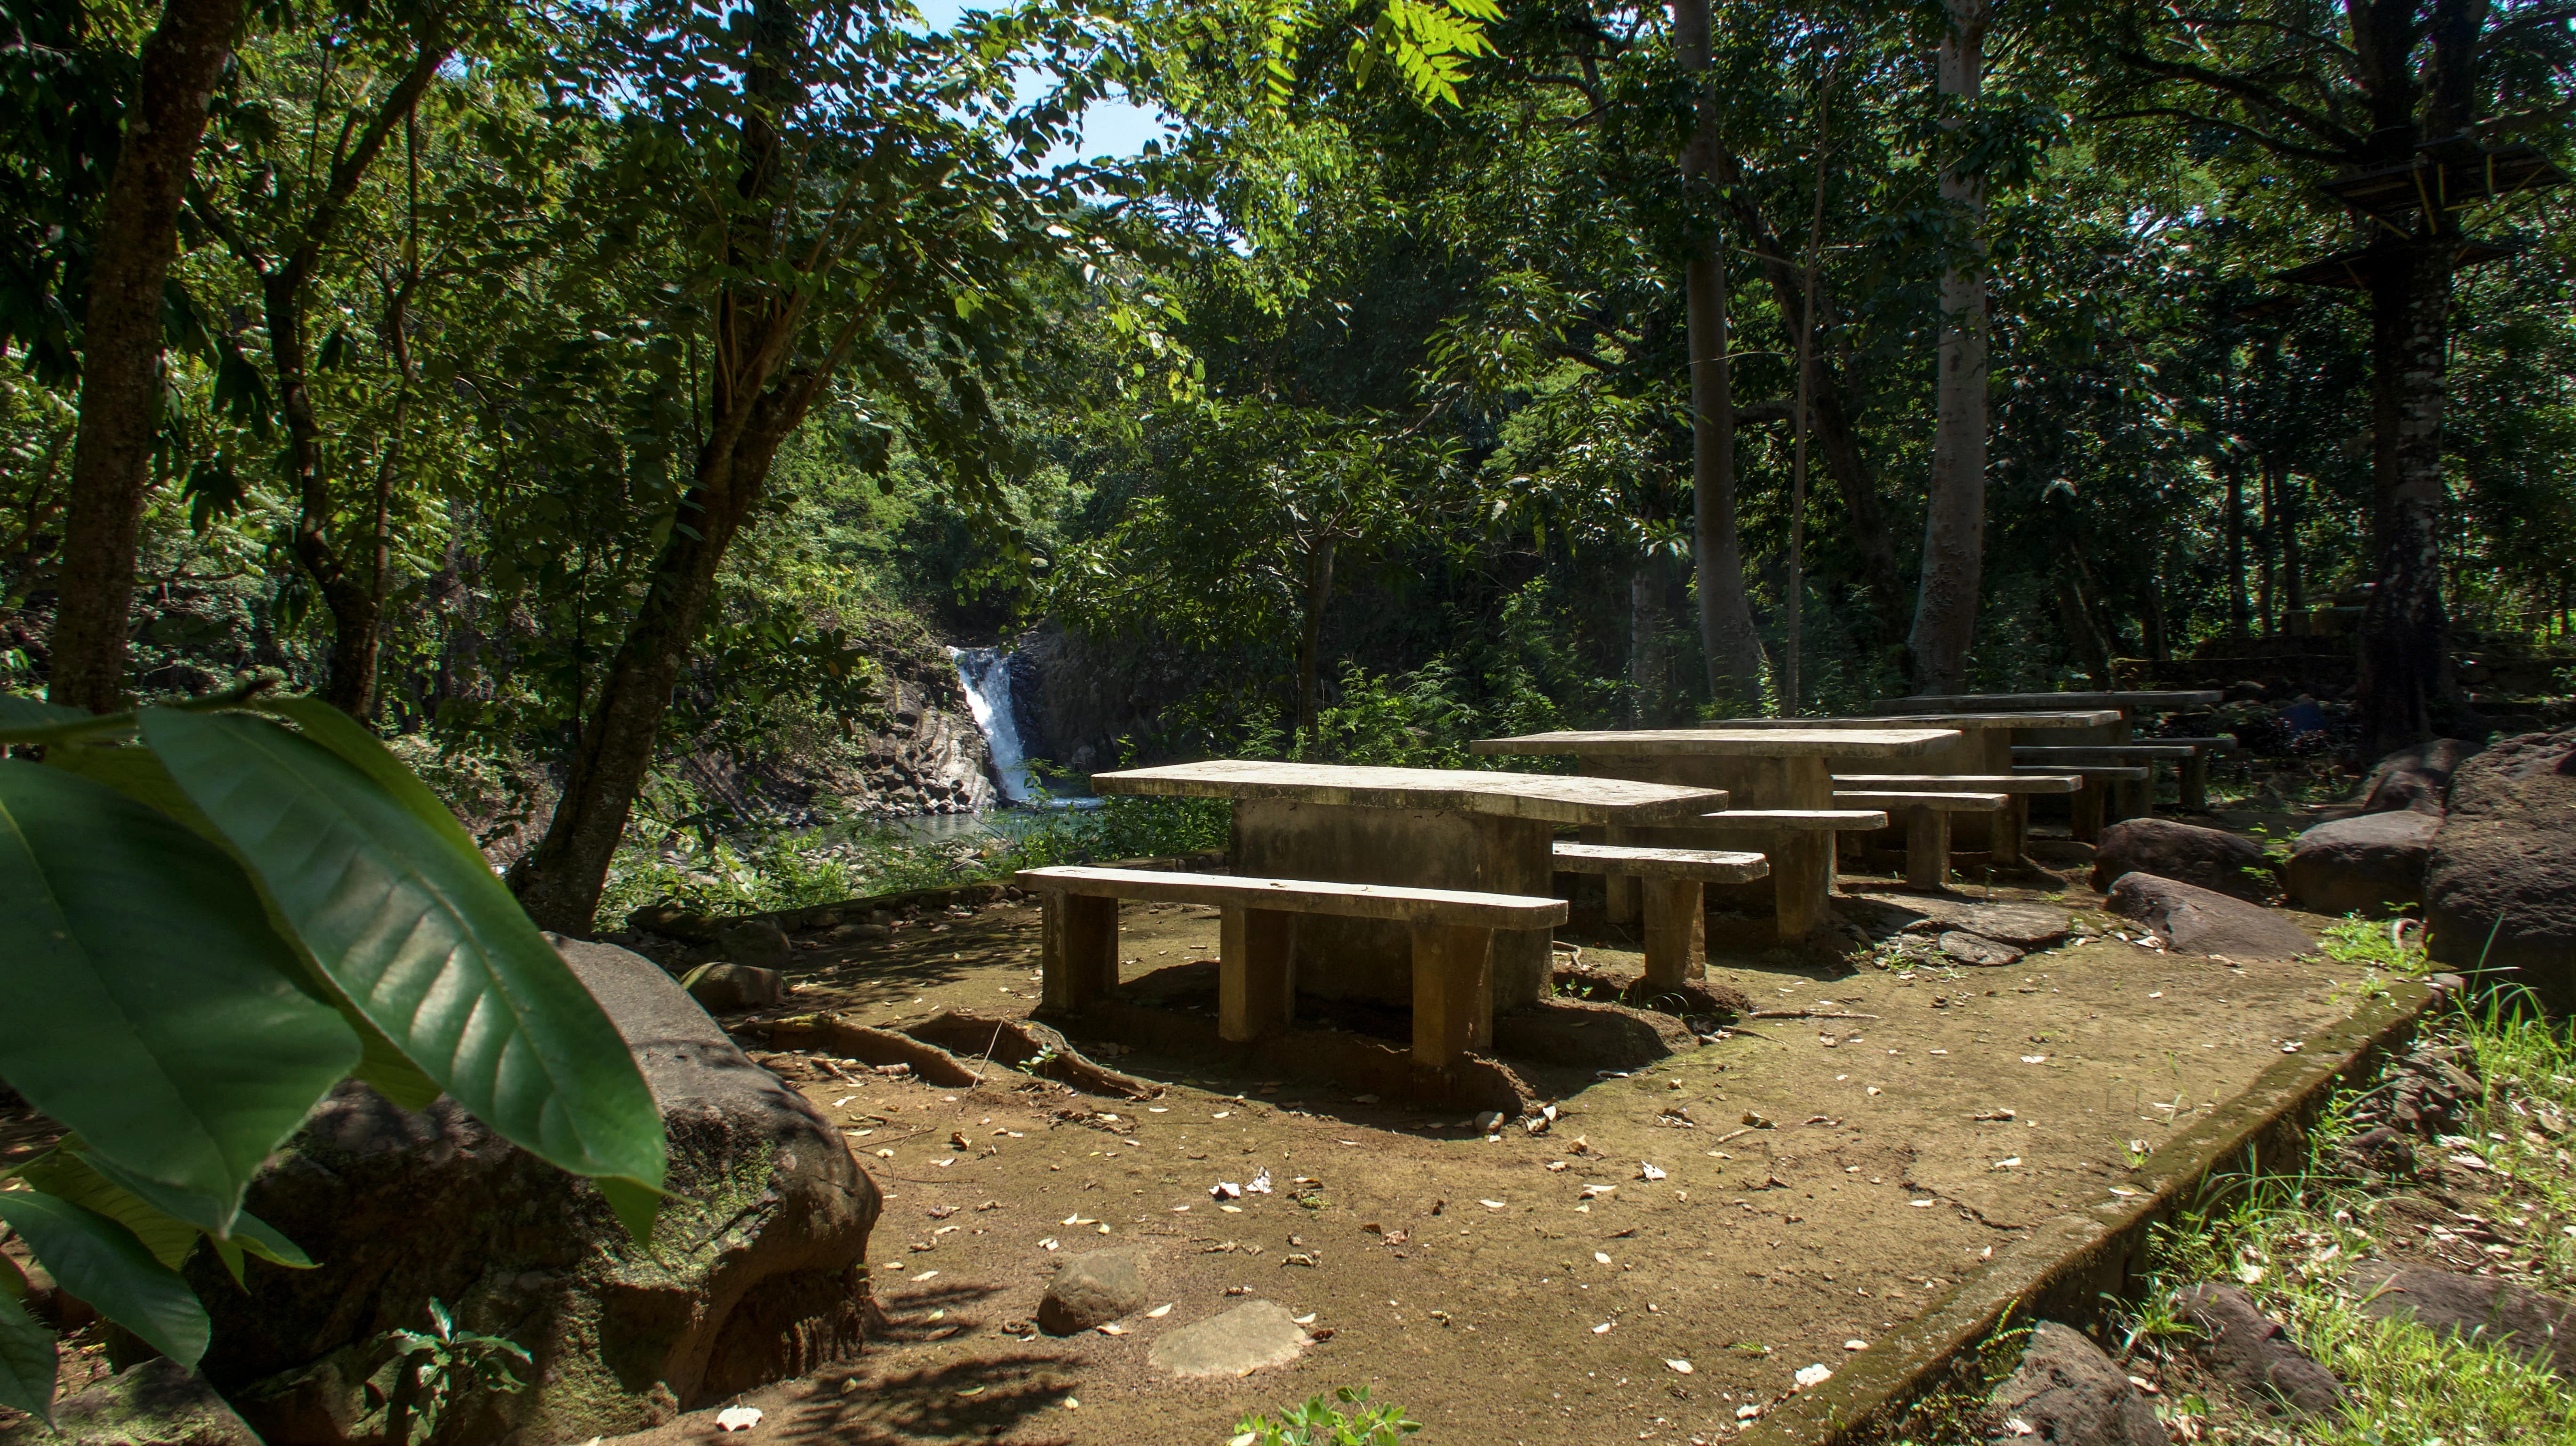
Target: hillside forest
618	406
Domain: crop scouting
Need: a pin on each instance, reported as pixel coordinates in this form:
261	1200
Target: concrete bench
2086	808
2011	827
2190	757
1798	843
1453	945
1927	824
1675	883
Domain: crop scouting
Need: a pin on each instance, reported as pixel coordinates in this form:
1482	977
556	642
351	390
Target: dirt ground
1648	1268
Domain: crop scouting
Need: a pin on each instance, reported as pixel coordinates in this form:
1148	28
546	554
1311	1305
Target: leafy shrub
1320	1423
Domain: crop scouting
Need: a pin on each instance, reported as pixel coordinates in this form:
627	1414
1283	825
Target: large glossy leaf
423	939
27	1361
173	1038
66	1172
137	772
354	745
101	1262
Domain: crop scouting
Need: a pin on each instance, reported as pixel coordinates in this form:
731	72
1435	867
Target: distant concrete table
1418	827
1783	773
2103	799
1984	750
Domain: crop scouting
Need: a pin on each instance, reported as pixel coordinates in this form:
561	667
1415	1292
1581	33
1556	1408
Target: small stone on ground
2538	1327
1252	1336
2202	921
2256	1351
1092	1290
1971	949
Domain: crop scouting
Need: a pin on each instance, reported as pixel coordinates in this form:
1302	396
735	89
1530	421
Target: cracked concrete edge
2068	1265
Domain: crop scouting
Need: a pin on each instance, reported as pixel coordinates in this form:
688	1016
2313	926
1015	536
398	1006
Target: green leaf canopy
101	1262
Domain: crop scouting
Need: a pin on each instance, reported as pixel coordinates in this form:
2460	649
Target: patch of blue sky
1110	129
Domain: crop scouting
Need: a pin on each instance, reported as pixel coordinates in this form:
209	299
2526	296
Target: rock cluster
2500	888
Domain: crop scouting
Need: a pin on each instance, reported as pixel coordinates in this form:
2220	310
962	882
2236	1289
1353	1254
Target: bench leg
1802	882
2087	803
2193	779
1078	950
1927	847
1620	898
1450	963
1256	981
1676	933
2012	831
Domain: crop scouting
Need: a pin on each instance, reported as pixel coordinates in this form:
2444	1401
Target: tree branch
2345	142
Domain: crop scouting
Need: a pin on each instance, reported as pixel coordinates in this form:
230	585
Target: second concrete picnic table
1780	780
1424	827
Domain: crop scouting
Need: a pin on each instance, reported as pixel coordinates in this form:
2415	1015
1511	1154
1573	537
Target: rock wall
1080	703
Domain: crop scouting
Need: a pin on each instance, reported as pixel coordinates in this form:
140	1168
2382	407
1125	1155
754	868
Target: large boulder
2203	921
2415	779
2364	864
753	1273
2493	1311
2211	858
2257	1352
2067	1392
2501	888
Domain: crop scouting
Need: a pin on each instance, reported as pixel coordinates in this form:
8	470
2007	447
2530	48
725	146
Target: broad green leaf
101	1262
17	713
27	1361
356	746
636	1205
65	1172
254	1236
424	940
175	1041
137	773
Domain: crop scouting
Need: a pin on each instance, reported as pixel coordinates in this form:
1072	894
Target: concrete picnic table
1982	759
1422	827
2103	797
1770	774
1766	767
2147	700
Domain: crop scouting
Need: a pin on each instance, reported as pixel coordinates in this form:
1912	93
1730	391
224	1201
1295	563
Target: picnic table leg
2012	831
1802	882
1449	966
1078	950
1256	983
1621	899
2088	806
2194	781
1927	847
1676	932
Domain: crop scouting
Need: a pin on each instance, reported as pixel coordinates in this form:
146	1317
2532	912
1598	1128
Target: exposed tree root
1033	1047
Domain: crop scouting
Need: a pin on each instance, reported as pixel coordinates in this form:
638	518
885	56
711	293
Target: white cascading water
986	674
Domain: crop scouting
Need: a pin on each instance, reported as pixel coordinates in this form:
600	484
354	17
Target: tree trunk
1727	638
1865	528
1310	637
1954	528
120	392
2235	533
2073	614
754	401
2294	588
2263	539
2152	621
1646	640
2405	654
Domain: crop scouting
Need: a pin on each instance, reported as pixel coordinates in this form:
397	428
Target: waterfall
986	673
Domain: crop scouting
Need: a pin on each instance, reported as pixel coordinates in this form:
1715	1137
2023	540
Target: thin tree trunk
120	392
754	401
1310	637
2405	655
2073	613
2294	593
2235	533
1793	645
2152	621
1954	528
1727	638
1646	640
2264	538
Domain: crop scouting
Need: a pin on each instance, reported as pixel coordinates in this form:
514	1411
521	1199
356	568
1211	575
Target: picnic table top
2053	718
1728	742
1553	797
2148	700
